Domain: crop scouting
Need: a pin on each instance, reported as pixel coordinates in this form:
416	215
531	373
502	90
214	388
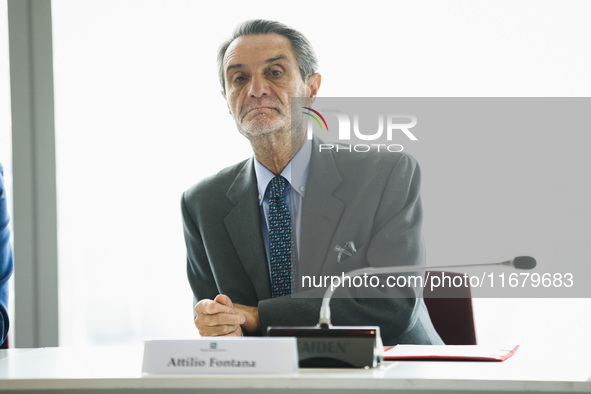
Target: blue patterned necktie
279	238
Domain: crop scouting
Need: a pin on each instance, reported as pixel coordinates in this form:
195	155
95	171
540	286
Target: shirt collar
296	174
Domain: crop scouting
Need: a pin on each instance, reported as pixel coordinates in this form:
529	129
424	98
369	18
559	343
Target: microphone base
335	346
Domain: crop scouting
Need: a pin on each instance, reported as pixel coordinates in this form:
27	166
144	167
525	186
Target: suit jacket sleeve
205	286
225	251
6	263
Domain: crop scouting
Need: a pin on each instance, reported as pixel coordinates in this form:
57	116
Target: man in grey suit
371	201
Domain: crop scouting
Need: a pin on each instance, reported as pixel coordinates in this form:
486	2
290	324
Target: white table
118	370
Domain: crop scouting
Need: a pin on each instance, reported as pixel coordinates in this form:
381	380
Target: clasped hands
220	317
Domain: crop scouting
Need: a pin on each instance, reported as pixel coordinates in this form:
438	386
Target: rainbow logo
315	118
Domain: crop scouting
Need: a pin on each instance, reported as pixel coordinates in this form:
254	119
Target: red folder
448	352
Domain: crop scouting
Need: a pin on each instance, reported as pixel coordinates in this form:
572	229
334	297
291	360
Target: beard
263	117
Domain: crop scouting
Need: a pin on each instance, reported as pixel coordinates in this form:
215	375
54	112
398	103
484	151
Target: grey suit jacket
371	199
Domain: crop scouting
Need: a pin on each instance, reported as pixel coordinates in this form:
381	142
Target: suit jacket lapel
321	212
243	226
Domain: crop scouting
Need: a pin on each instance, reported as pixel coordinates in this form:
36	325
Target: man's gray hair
303	51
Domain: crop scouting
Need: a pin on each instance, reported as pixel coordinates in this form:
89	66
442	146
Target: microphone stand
328	346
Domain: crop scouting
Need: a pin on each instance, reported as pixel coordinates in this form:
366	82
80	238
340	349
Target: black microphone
522	262
328	346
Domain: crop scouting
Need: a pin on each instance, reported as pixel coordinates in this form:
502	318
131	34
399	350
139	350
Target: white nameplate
238	355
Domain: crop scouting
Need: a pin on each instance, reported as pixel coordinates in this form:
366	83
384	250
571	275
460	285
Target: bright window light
140	118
